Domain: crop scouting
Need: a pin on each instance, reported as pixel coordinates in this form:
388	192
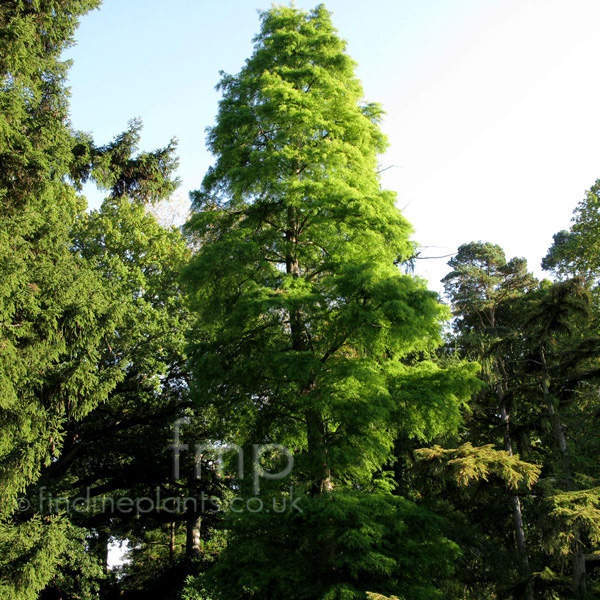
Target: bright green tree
309	336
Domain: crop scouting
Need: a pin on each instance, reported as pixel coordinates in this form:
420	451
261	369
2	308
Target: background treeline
440	450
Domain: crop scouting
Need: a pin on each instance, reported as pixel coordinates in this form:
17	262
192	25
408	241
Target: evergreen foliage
575	253
466	464
539	356
423	464
57	312
54	311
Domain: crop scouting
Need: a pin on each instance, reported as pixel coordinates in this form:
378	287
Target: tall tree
53	310
122	449
559	360
571	384
309	335
480	286
56	311
540	368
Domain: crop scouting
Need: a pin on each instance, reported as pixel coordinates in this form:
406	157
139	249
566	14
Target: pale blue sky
492	105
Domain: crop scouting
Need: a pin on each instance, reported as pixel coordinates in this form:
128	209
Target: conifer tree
56	311
576	253
540	370
53	310
563	364
571	384
309	336
481	287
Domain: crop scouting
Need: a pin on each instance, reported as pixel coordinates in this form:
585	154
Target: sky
492	105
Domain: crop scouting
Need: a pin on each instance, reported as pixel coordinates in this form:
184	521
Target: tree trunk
561	440
578	558
515	500
315	428
579	576
102	547
315	433
193	537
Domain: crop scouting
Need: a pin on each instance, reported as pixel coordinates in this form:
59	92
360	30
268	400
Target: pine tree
309	336
571	387
481	288
562	363
575	253
540	370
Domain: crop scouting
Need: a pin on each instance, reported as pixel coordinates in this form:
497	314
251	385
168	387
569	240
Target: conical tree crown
295	140
296	282
309	334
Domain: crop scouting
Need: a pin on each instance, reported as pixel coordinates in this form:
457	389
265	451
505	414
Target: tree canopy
262	403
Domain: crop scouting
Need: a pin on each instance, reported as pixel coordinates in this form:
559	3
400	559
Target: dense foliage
263	404
308	332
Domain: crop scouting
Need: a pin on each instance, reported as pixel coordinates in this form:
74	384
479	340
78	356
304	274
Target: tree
571	386
576	253
540	368
56	311
564	364
122	449
480	287
43	317
53	310
308	333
